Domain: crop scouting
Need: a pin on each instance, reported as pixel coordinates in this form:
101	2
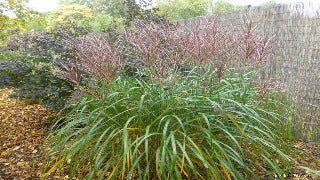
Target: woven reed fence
295	64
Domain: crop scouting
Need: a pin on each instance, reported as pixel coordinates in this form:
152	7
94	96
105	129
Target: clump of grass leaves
197	127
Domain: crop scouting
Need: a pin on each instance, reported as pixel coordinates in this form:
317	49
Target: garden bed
23	132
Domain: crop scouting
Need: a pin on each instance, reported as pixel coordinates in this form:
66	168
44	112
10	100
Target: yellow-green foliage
182	9
102	22
70	14
115	8
223	6
16	17
5	22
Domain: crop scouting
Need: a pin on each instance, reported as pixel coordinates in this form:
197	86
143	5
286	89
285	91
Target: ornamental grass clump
163	50
196	115
196	128
149	44
94	56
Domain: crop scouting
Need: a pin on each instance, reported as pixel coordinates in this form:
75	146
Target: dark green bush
33	79
41	86
27	63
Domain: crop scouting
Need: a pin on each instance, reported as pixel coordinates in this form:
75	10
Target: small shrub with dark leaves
33	80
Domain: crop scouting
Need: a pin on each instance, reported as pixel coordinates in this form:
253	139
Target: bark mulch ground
21	136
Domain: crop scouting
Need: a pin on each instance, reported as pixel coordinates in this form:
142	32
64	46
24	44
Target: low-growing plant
20	56
13	73
41	86
27	62
197	127
33	79
52	45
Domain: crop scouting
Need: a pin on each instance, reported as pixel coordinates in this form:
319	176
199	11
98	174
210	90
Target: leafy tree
12	18
182	9
117	11
37	21
269	3
73	14
223	6
14	8
103	22
116	8
16	17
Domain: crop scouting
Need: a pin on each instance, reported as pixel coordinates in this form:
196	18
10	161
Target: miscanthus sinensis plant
191	116
197	127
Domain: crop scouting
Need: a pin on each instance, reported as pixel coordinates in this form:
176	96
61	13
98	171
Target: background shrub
179	9
65	14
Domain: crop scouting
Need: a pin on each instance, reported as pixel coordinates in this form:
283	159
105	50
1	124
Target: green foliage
28	63
194	128
37	23
41	86
280	104
187	124
121	11
315	172
269	3
116	8
79	15
96	16
15	8
5	31
100	5
103	22
16	17
181	9
223	6
33	79
53	45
